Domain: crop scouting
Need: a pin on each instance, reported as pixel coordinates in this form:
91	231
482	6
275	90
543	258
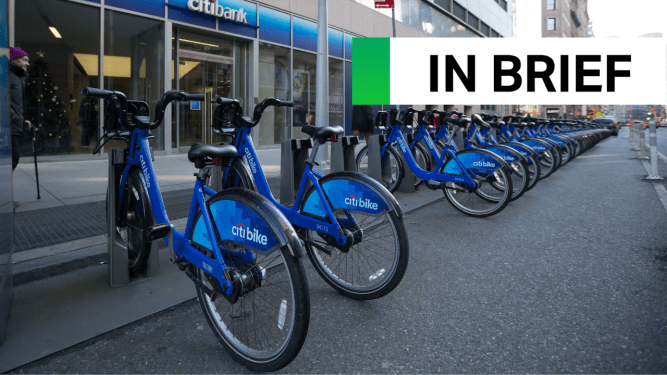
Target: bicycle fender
479	161
351	190
524	150
537	145
246	218
506	153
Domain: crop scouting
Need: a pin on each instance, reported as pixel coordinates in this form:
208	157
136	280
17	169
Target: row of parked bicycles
243	249
500	159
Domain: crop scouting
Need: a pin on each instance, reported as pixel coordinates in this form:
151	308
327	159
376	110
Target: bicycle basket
136	108
224	121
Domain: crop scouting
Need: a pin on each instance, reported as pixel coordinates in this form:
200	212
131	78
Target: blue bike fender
524	150
250	220
479	161
536	145
506	153
557	140
351	190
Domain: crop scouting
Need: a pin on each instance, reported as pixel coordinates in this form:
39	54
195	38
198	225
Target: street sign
598	114
387	4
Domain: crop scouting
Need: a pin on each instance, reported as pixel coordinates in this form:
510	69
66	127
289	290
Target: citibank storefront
229	48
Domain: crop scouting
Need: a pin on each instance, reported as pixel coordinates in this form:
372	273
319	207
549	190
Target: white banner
558	71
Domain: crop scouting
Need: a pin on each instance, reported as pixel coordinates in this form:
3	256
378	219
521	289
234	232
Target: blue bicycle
352	227
240	251
476	182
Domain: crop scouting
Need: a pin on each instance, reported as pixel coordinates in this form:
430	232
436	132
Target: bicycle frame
139	155
395	135
245	147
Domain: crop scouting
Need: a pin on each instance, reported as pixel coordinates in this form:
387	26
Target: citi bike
476	182
523	177
241	253
352	227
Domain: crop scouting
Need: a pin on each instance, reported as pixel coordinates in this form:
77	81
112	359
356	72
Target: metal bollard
653	145
631	130
294	153
642	144
343	154
408	182
375	168
636	137
119	273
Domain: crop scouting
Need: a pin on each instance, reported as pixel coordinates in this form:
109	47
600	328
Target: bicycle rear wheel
266	327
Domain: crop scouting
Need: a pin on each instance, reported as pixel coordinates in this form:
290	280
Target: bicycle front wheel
265	329
392	168
135	217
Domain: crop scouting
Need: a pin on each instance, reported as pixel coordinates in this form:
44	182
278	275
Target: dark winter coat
362	118
17	98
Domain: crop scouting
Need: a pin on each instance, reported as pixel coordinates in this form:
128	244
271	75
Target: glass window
64	58
551	24
336	92
551	4
274	81
134	61
303	91
427	23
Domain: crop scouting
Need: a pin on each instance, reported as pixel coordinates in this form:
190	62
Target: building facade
565	19
247	50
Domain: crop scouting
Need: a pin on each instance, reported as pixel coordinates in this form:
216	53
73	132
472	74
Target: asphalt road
571	278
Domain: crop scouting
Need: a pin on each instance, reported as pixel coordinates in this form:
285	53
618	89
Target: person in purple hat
18	66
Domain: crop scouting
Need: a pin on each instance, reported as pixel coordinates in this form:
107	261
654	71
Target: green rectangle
370	71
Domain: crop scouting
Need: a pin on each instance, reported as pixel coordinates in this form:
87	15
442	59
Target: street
571	278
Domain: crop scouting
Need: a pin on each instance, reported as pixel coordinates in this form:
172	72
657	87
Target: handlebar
117	96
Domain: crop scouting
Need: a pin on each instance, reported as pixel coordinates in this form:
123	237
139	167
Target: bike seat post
313	154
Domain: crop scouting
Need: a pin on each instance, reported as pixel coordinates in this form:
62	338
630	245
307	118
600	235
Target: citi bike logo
429	142
249	234
401	143
144	168
251	160
361	203
483	163
508	158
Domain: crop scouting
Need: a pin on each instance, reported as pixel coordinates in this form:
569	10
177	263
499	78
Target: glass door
211	75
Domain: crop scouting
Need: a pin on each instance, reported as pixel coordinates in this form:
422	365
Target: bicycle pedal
157	231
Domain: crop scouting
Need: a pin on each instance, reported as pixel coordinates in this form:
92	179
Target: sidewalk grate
50	226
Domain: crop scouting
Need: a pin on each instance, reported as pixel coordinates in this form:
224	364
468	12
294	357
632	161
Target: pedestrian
362	121
18	67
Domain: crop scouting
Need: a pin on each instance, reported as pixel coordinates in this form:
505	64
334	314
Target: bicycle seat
322	131
201	151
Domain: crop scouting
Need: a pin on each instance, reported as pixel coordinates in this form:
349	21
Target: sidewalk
72	182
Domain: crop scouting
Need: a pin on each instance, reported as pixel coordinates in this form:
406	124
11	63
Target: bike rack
293	156
119	273
343	154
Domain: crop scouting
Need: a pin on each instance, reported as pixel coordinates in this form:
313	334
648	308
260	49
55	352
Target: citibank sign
213	8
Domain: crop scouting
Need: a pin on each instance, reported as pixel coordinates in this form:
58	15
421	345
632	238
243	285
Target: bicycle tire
370	269
423	160
136	216
472	202
392	175
239	176
283	294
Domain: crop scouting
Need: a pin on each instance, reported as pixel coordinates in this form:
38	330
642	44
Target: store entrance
207	74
